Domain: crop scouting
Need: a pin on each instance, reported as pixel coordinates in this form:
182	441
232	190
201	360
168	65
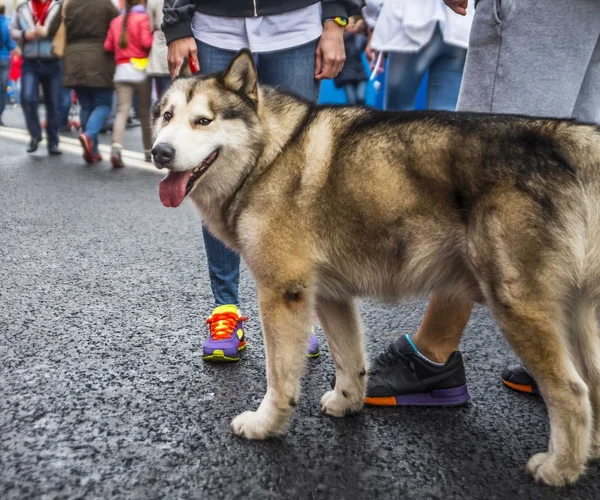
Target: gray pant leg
529	56
587	107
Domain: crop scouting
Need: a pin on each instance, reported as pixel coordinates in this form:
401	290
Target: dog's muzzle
163	154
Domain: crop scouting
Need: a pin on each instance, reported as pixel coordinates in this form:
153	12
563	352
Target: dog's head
207	131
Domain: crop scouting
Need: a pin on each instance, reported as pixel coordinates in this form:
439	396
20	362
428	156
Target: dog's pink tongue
172	188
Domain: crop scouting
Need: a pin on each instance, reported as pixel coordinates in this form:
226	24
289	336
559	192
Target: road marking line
71	145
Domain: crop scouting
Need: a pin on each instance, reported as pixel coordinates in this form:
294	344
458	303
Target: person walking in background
419	37
14	76
34	25
7	45
65	103
158	66
353	78
130	40
88	68
297	43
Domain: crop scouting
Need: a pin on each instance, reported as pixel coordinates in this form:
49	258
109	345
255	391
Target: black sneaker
33	144
401	376
520	379
53	150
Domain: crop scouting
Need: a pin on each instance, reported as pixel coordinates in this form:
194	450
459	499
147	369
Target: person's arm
16	33
340	8
177	27
330	54
177	19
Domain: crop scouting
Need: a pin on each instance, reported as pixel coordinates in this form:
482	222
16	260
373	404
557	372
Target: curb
71	145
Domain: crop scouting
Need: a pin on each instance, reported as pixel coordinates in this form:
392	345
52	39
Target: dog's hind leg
585	342
343	329
533	331
524	268
286	319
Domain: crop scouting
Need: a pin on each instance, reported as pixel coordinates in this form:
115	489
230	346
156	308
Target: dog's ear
241	75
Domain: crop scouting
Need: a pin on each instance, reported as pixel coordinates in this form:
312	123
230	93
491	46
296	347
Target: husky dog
327	204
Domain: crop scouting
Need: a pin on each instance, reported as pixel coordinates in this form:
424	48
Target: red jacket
138	35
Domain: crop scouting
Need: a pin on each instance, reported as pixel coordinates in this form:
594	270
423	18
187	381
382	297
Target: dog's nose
163	153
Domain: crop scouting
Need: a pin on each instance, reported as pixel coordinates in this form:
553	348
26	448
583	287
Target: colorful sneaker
401	376
520	379
88	149
313	350
313	346
226	337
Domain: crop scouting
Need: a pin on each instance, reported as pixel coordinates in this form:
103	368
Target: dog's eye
202	121
167	116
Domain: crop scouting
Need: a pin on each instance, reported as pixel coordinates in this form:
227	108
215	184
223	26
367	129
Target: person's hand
40	31
360	27
330	53
458	6
372	54
30	35
178	51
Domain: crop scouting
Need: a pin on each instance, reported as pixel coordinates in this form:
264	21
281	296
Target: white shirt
407	25
260	34
126	73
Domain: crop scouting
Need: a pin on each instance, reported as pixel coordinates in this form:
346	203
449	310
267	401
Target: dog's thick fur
326	204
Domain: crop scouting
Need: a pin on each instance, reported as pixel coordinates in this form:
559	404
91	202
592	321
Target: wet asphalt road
103	394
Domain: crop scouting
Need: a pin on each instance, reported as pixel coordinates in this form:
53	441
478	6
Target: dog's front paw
340	404
544	469
251	425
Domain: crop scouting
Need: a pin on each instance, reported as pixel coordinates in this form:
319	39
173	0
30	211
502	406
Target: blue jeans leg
350	89
223	263
86	104
29	98
405	72
445	76
65	107
50	76
16	86
101	104
95	106
292	70
4	69
361	92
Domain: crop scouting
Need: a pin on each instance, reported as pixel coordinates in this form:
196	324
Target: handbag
59	42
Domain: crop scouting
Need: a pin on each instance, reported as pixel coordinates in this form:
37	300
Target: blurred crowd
95	65
100	64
